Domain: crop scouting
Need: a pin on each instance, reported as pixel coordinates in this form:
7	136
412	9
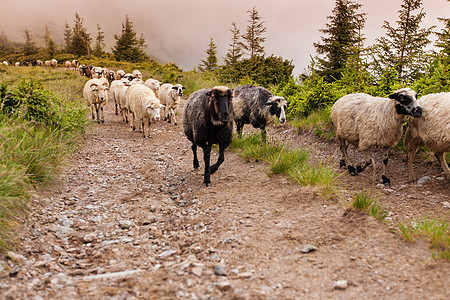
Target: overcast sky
179	30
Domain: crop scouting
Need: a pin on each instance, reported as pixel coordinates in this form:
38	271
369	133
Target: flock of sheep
208	116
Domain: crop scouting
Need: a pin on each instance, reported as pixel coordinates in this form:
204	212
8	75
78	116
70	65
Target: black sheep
207	120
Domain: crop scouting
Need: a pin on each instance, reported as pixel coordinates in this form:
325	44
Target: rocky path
133	221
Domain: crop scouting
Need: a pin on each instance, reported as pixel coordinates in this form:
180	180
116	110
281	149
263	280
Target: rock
224	285
63	231
423	180
15	271
17	258
167	253
220	270
89	238
245	274
308	248
440	178
340	285
446	204
125	224
197	271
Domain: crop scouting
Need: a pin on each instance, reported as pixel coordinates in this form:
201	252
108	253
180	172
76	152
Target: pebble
224	285
197	271
220	270
167	253
308	248
340	285
18	258
423	180
446	204
89	238
125	224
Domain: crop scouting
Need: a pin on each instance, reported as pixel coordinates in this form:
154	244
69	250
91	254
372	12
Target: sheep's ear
394	96
183	87
209	93
269	103
150	106
94	87
174	88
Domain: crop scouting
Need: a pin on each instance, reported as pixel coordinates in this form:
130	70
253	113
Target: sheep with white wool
170	96
53	63
431	130
142	104
256	105
120	74
136	74
96	96
112	90
97	72
154	84
68	64
364	121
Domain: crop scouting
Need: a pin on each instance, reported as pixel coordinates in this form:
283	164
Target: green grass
317	122
435	231
368	202
293	163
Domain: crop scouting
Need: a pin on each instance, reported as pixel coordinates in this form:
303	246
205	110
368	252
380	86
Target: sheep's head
154	110
407	102
220	103
277	106
178	89
99	91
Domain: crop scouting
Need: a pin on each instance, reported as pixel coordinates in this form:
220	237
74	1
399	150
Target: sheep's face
220	103
154	110
178	89
277	106
407	102
100	92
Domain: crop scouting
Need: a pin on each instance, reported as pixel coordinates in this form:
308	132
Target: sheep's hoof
359	169
341	163
206	184
175	124
352	170
386	181
103	121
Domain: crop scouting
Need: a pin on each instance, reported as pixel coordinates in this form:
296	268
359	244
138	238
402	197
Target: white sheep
5	63
136	74
112	91
170	96
46	63
120	94
74	64
364	121
154	84
53	63
68	64
142	104
97	72
120	74
431	130
96	97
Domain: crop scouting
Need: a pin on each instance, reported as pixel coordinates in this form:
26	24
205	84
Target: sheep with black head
207	120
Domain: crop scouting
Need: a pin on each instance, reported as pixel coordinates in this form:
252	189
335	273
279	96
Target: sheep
136	74
5	63
111	76
207	120
154	85
46	63
104	81
120	74
170	96
364	121
97	72
96	97
68	64
120	95
39	63
74	64
112	90
432	130
128	76
136	81
256	106
142	104
53	63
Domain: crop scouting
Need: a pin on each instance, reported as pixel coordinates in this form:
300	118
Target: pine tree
81	41
50	44
4	43
29	47
128	47
343	33
443	40
99	42
142	43
210	64
235	51
67	37
403	48
253	39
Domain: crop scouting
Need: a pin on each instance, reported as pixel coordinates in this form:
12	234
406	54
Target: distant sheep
256	106
154	84
53	63
5	63
136	74
115	84
207	120
96	97
431	130
74	64
364	121
142	105
111	76
68	64
120	95
46	63
97	72
120	74
170	96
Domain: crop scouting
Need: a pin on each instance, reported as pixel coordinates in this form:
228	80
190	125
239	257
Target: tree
128	47
235	51
443	40
4	43
67	36
253	39
403	47
50	44
99	42
29	47
344	39
81	41
210	64
142	43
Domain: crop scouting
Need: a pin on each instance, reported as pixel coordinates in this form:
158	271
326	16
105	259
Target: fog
179	31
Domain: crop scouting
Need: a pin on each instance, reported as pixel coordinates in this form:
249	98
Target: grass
435	231
293	163
368	202
318	122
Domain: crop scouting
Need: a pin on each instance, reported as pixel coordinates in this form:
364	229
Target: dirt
132	220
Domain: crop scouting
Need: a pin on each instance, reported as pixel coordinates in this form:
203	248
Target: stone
89	238
224	285
167	253
423	180
17	258
340	285
197	271
446	204
220	270
125	224
308	248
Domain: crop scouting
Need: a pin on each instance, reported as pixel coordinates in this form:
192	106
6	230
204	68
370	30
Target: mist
179	31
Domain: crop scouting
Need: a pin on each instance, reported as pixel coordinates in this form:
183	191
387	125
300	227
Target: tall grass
293	163
317	122
368	202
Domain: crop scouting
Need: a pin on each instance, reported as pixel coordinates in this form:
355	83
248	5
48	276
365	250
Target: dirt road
132	220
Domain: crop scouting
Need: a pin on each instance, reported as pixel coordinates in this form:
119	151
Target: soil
132	220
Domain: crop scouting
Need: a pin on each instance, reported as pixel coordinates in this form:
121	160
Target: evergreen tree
443	40
50	45
128	47
81	41
46	36
343	33
235	51
4	43
67	37
253	39
210	64
142	43
403	47
99	42
29	47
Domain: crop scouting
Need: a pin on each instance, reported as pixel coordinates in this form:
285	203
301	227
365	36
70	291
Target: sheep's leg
149	131
173	116
441	157
386	180
367	161
142	124
117	107
239	126
194	151
207	159
97	108
132	116
220	160
411	153
102	114
92	111
345	161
